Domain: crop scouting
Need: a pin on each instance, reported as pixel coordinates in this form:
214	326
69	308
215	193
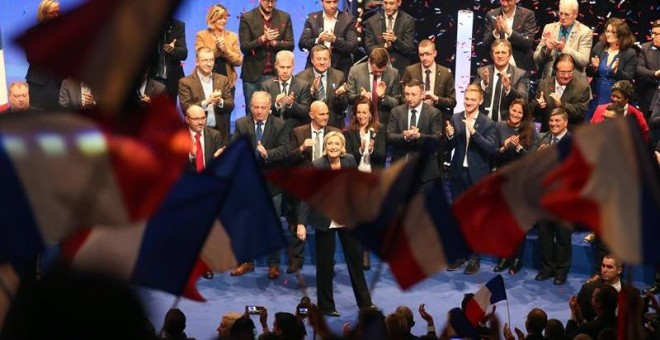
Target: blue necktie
260	130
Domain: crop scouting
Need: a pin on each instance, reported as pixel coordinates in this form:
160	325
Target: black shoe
651	290
515	266
472	267
207	275
332	313
502	265
454	266
559	280
543	276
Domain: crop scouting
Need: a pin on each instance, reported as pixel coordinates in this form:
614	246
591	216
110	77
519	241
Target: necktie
321	90
413	118
390	23
199	154
555	140
374	95
559	90
260	130
497	100
284	88
427	81
317	146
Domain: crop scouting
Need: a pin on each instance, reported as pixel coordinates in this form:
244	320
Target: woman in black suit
335	158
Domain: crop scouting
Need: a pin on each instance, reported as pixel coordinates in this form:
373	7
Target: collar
203	77
193	133
315	130
567	29
393	16
506	69
264	121
564	86
316	73
561	135
432	68
515	8
334	17
417	108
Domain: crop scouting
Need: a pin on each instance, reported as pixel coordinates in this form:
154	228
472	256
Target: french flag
4	102
489	294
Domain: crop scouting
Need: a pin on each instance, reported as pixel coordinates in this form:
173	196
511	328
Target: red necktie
374	95
199	155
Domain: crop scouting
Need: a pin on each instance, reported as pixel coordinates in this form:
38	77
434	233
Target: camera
303	307
302	311
253	310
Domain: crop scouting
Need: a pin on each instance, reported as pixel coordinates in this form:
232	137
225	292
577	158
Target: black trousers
555	242
325	253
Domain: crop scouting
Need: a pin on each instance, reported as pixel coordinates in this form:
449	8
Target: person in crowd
209	90
333	29
517	25
438	80
469	134
410	320
554	330
393	30
223	43
335	158
501	82
226	323
174	325
647	75
604	303
146	89
567	36
19	98
535	324
565	91
269	138
613	58
262	31
243	329
169	53
291	95
397	328
206	142
375	80
327	84
411	125
76	95
44	87
513	139
621	93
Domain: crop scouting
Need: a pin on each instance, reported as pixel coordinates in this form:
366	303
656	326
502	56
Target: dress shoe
651	290
515	266
273	272
207	275
454	266
472	267
245	267
502	265
543	276
559	280
332	313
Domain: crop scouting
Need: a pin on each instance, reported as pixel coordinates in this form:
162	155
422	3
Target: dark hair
318	48
379	57
374	123
288	325
504	42
397	326
616	108
607	296
563	57
559	112
175	322
243	328
537	319
526	127
554	330
415	83
655	24
623	33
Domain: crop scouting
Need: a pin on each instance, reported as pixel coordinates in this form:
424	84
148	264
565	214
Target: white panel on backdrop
463	55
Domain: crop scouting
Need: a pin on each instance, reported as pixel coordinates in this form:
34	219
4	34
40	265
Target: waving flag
4	102
490	293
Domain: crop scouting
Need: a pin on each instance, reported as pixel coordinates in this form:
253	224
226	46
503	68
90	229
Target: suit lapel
198	85
208	147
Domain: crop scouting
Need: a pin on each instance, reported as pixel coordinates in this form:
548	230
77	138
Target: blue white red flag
490	293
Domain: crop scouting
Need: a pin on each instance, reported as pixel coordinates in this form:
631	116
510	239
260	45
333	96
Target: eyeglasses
653	34
565	73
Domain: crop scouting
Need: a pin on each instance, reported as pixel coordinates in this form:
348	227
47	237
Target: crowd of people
335	115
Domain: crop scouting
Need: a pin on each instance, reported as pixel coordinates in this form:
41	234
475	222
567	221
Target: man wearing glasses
567	36
564	91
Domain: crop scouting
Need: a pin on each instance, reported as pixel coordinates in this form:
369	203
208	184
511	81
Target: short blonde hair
44	6
335	134
216	12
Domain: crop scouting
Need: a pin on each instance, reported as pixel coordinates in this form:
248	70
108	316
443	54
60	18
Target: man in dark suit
555	236
209	90
603	300
75	95
334	30
269	137
206	142
470	135
412	123
610	274
395	31
19	98
262	32
438	80
648	71
171	51
562	90
327	84
292	97
377	81
501	82
517	25
148	88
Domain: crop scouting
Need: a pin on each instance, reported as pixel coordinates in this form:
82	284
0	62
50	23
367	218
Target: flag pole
508	313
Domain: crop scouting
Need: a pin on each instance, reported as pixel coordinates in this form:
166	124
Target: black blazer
403	50
353	143
336	105
519	88
647	85
298	113
521	38
212	142
479	150
309	216
344	46
174	29
575	100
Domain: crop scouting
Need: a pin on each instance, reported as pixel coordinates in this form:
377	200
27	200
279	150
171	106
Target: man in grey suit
327	84
269	138
517	25
410	125
292	97
377	81
334	30
568	36
395	31
501	82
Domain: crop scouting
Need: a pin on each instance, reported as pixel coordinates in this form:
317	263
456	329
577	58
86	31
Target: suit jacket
377	157
430	123
298	113
70	95
337	106
519	88
274	139
521	38
358	78
403	50
502	132
312	217
297	137
212	142
545	138
479	150
44	88
577	45
191	92
574	99
591	328
251	27
344	46
232	57
443	87
648	62
174	29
